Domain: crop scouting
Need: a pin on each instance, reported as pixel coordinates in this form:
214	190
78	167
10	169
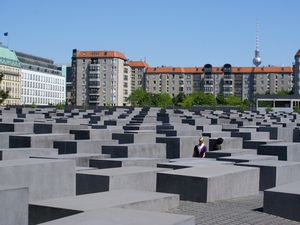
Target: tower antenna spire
257	59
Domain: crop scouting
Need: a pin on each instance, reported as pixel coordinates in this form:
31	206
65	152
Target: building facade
11	81
42	82
100	78
297	73
243	82
108	78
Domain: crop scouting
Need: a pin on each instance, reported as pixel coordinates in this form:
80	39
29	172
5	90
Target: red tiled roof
298	53
100	54
216	70
138	64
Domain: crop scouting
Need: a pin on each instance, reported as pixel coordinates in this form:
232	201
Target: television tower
257	59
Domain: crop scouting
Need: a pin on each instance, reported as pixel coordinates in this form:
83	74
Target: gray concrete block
92	134
46	210
254	144
148	150
123	138
210	183
246	158
180	146
81	146
36	140
14	205
4	137
81	159
43	128
24	153
17	127
274	173
45	178
287	151
131	177
113	216
230	152
283	201
191	162
228	142
123	162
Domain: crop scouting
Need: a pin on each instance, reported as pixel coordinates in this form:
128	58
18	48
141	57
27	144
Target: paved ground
245	211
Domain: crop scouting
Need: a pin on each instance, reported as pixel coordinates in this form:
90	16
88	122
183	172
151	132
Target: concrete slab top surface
291	188
45	135
283	143
250	157
209	171
270	163
122	170
71	156
103	199
130	159
113	216
30	161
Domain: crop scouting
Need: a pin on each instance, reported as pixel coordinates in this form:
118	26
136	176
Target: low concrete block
81	146
92	134
4	137
230	152
247	158
113	216
81	159
43	128
45	178
123	162
191	162
288	151
13	205
132	177
147	150
274	173
24	153
210	183
46	210
37	140
283	201
17	127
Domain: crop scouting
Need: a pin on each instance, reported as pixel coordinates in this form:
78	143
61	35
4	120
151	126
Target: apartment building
11	81
100	78
297	73
244	82
138	69
42	82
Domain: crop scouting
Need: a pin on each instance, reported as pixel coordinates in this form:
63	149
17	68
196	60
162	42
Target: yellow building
11	68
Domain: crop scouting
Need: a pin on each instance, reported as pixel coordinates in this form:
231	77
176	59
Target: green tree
33	105
220	99
179	98
84	106
233	100
164	100
187	102
139	97
60	106
3	94
282	92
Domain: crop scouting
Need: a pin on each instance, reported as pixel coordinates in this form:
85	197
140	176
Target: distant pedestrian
218	144
200	149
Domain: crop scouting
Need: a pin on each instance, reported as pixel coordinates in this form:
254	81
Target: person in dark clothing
217	145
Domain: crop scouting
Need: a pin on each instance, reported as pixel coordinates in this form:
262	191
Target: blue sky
184	33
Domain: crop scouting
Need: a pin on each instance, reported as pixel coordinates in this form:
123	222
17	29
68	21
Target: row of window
47	79
40	100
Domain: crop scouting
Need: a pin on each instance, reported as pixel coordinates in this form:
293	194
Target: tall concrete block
274	173
283	201
14	205
180	147
4	137
288	151
210	183
45	178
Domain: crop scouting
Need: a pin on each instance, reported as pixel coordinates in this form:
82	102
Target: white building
42	82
